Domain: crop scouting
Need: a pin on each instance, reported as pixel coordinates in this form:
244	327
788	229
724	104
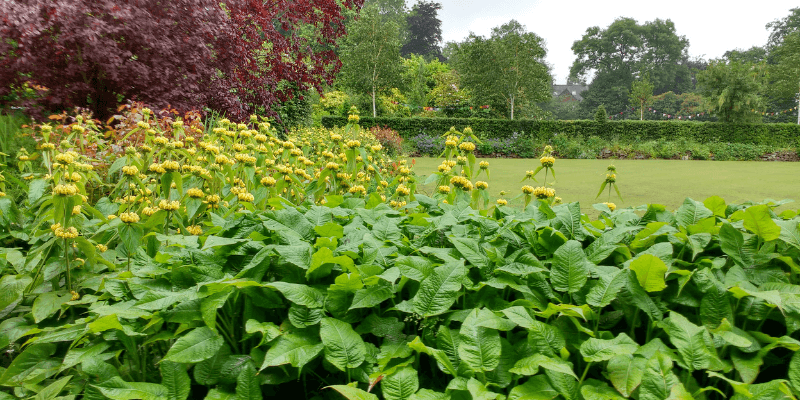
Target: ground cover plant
239	265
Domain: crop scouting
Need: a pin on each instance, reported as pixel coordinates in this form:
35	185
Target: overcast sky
712	27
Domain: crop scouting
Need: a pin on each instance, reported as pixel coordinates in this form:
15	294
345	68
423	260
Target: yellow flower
358	189
611	206
402	190
69	233
332	166
76	210
102	248
65	158
148	211
129	217
169	205
130	170
467	146
195	193
268	181
161	141
542	192
111	216
248	197
66	190
48	146
75	296
443	189
611	178
481	185
547	161
195	230
484	164
170	165
527	189
212	199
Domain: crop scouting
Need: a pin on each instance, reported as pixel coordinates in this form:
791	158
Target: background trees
734	90
506	70
238	58
424	31
371	55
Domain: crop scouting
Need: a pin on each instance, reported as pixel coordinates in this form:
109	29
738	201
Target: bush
389	139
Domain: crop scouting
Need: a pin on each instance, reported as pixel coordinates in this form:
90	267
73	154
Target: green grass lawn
666	182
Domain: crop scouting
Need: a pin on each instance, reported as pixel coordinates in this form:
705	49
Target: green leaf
794	370
176	380
118	389
46	304
605	290
690	341
596	390
478	347
344	348
295	349
52	390
568	219
535	388
570	269
11	289
401	384
596	350
303	317
732	242
32	363
330	229
299	294
625	372
440	289
247	385
440	356
717	205
692	212
715	306
790	232
372	296
658	378
757	219
530	365
351	393
479	391
650	271
36	190
268	330
198	345
471	250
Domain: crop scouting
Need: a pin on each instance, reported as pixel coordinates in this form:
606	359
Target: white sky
712	27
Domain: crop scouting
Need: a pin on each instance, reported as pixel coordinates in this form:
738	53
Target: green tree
780	28
419	78
641	94
616	55
506	70
733	90
424	31
371	55
600	115
754	54
785	73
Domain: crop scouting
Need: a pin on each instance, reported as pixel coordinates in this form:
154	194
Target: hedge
628	130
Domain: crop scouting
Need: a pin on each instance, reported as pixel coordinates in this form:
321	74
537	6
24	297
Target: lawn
666	182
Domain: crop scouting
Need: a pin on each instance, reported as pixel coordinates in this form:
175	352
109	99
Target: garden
193	207
172	256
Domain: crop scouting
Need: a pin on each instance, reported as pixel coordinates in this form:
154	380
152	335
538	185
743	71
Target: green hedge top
704	132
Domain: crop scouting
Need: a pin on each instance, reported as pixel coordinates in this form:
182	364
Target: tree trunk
374	112
512	107
641	112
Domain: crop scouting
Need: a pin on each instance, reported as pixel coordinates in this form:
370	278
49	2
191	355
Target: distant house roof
573	91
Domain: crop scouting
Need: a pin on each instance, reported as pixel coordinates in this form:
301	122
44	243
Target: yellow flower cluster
611	206
502	202
481	185
542	192
169	205
268	181
611	178
527	189
130	170
358	189
195	230
461	183
195	193
444	189
467	147
547	161
129	217
65	158
102	248
451	142
403	190
483	165
69	233
66	190
245	196
353	144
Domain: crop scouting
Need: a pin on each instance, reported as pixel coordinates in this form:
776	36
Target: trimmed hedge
628	130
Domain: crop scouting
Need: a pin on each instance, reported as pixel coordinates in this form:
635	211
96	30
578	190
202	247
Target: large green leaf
605	290
596	390
570	269
658	378
690	340
175	378
297	349
717	205
118	389
247	384
596	350
351	393
11	289
478	347
401	384
303	317
790	232
198	345
692	212
535	388
650	271
299	294
732	242
371	296
568	219
530	365
440	289
625	372
33	364
757	219
51	391
344	348
471	250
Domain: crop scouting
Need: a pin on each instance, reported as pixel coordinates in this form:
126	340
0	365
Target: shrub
389	139
429	145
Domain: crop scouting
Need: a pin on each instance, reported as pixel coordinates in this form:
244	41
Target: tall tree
506	70
424	31
641	94
755	54
371	55
785	73
780	28
616	55
236	57
734	90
